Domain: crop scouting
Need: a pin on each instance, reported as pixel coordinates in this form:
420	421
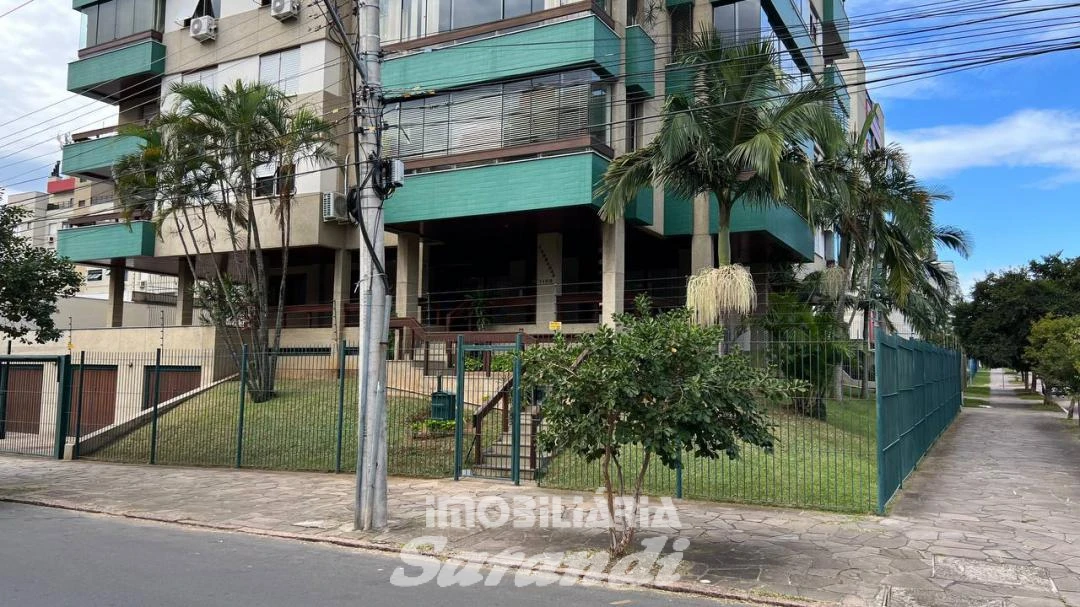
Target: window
635	111
737	22
404	20
815	29
206	77
266	180
116	19
281	70
633	14
547	108
82	203
682	27
94	275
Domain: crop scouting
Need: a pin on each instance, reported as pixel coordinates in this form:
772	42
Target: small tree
1054	355
654	381
198	169
31	280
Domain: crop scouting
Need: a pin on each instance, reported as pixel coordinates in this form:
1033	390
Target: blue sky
1004	140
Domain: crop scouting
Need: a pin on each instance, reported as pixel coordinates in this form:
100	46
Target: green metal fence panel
35	402
824	455
919	394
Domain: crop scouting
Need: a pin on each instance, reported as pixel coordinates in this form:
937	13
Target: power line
154	100
8	12
906	17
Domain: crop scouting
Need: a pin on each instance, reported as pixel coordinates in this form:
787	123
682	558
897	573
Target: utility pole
365	52
370	508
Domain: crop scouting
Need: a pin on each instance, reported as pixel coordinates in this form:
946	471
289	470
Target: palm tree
888	237
197	169
740	134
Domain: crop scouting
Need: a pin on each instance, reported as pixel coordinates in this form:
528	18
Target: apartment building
33	226
506	113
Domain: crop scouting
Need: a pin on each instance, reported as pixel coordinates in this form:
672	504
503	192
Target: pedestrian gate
35	402
487	422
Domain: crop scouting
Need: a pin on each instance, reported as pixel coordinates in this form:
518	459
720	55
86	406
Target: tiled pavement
990	518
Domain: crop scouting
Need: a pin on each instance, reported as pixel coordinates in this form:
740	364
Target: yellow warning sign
554	326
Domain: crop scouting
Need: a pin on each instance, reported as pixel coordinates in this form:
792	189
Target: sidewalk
990	518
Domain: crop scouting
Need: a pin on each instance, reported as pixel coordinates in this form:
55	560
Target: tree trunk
605	468
842	263
723	236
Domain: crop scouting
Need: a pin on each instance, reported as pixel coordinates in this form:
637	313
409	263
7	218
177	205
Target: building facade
506	113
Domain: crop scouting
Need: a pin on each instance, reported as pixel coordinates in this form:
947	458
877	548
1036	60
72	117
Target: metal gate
35	401
487	422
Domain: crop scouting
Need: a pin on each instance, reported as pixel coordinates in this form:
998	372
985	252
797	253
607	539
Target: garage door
174	382
23	411
95	387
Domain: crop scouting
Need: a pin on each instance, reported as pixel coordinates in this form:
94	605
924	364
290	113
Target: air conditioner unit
334	207
203	28
284	9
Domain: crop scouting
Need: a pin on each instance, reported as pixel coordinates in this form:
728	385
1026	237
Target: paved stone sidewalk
991	518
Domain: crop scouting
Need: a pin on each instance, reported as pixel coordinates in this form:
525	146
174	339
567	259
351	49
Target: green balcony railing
540	183
582	42
759	233
640	61
794	28
95	157
781	224
109	241
836	30
118	73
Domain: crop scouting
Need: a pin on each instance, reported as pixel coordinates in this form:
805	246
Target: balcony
640	62
842	104
792	29
119	72
772	233
583	42
107	241
94	153
508	187
758	234
836	31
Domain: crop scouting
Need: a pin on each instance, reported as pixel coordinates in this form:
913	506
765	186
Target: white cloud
1039	138
39	40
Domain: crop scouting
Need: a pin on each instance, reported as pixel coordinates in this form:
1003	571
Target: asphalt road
51	557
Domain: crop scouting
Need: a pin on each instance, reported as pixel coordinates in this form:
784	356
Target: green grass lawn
981	379
978	391
297	430
830	464
1045	406
975	402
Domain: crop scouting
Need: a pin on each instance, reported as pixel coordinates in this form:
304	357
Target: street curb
689	588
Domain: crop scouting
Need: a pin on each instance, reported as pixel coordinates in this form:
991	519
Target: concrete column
548	276
342	290
613	236
115	313
185	294
408	276
702	255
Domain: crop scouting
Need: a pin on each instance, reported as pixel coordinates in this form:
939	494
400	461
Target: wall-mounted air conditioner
284	9
203	28
334	208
